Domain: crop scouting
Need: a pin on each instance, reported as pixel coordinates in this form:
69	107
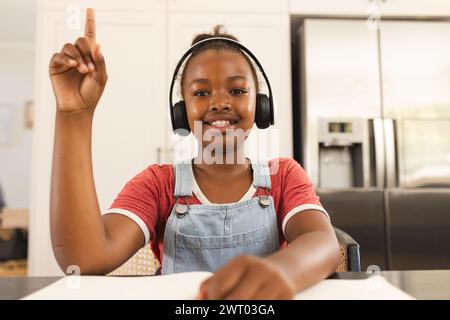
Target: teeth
220	123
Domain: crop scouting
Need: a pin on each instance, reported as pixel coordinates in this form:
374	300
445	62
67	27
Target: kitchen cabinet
328	7
360	213
419	225
365	7
227	7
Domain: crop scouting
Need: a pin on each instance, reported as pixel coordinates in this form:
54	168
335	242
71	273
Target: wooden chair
349	259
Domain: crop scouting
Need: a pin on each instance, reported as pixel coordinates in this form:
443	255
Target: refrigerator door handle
378	134
391	168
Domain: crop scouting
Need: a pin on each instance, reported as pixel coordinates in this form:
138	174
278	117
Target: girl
228	215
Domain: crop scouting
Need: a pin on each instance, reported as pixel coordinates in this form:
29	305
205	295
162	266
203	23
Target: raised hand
78	72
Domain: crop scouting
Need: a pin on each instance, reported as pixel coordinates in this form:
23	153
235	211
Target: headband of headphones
191	49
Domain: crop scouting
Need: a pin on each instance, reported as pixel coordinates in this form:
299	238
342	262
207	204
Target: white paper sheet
373	288
184	286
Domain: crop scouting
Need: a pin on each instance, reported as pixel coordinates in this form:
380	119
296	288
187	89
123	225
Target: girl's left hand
248	277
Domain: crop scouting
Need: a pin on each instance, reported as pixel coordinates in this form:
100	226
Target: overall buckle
181	209
264	201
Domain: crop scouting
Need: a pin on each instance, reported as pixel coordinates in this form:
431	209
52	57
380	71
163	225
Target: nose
220	102
221	107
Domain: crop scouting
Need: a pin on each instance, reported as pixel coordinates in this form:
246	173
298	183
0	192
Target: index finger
89	30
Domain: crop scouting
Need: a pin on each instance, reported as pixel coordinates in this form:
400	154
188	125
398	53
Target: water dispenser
341	152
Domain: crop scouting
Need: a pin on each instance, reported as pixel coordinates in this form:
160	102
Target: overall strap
261	174
183	178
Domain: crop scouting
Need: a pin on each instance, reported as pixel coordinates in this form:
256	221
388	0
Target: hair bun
218	31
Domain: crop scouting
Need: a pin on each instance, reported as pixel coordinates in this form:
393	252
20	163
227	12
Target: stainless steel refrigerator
372	130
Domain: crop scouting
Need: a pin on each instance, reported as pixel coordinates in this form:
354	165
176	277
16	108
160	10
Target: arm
80	235
311	256
313	251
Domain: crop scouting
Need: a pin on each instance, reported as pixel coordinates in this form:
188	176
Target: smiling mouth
221	123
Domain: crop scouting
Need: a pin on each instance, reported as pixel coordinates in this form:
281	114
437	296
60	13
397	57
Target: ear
180	123
263	112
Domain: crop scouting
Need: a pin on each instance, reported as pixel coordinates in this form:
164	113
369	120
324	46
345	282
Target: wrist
287	267
80	121
79	115
282	275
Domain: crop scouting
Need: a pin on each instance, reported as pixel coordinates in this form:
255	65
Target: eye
238	91
200	93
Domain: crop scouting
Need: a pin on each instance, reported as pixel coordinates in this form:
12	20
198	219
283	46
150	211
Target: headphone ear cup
264	112
180	123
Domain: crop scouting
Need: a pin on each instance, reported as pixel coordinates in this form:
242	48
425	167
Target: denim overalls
206	237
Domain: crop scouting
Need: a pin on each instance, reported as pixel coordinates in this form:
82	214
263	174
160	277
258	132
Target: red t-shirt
148	198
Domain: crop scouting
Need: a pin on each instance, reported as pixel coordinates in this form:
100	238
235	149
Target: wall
16	87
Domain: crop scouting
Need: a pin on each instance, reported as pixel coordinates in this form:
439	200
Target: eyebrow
232	78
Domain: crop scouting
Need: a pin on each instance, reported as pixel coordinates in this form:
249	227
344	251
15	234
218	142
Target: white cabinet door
329	7
385	8
118	6
419	8
129	123
230	6
267	36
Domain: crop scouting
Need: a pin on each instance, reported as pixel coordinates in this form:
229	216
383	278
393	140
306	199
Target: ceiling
17	21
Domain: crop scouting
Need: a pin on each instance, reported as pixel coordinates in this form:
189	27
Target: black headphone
264	104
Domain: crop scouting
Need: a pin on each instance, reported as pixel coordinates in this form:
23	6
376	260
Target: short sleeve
138	201
297	194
